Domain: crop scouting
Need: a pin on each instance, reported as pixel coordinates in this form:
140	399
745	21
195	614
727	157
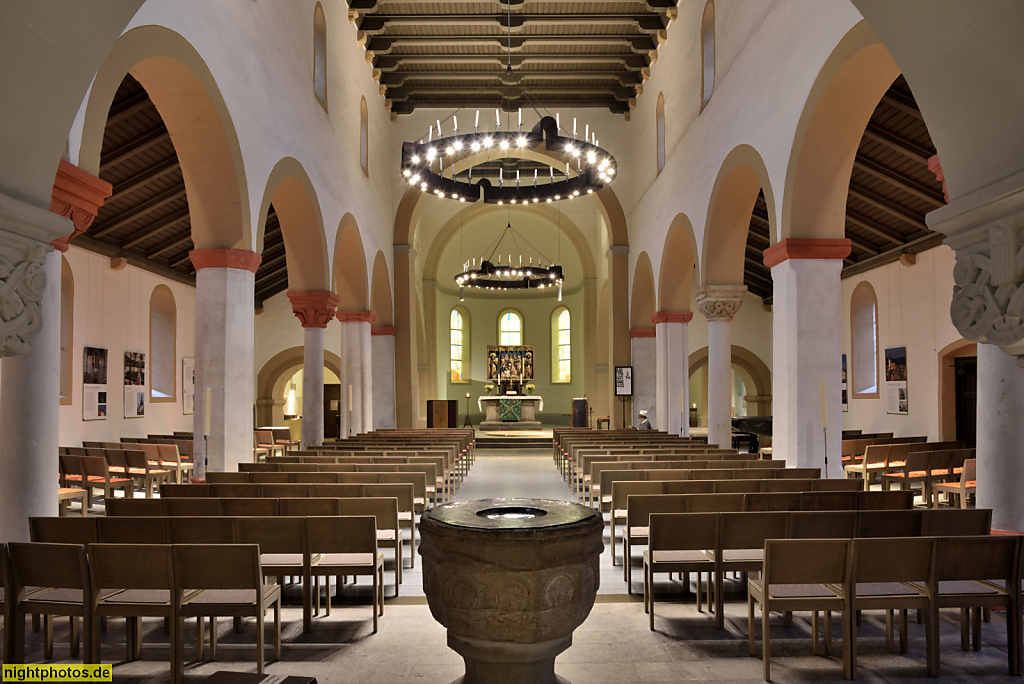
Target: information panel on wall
510	363
94	384
896	400
134	384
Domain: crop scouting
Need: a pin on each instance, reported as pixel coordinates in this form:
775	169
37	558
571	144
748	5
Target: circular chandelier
490	276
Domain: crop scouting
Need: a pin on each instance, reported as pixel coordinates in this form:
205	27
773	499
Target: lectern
442	413
580	413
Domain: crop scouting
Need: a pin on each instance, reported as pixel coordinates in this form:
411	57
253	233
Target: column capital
642	332
356	317
720	302
935	166
672	317
221	257
313	309
806	248
384	330
77	195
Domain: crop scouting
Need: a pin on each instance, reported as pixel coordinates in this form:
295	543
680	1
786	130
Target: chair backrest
218	566
978	558
336	491
683	531
714	503
314	478
712	474
38	564
640	506
185	490
893	559
196	530
799	473
956	522
402	491
828	501
135	507
889	523
136	458
282	490
687	486
341	534
876	453
217	478
753	474
807	561
273	534
191	507
970	473
169	453
94	466
772	501
263	437
892	500
749	530
384	509
248	506
313	505
834	485
787	485
63	530
131	530
115	458
822	524
277	477
131	565
238	491
737	486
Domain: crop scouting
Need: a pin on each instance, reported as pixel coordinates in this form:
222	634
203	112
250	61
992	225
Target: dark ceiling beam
169	244
904	103
755	269
156	228
921	244
271	276
391	62
874	227
898	180
404	93
884	204
130	185
267	263
128	108
134	259
138	211
384	44
138	145
408	106
897	143
185	258
374	24
399	78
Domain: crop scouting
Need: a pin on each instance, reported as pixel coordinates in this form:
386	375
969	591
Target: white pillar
1000	435
664	418
807	349
312	387
383	355
674	371
29	405
366	370
356	373
644	358
225	356
719	303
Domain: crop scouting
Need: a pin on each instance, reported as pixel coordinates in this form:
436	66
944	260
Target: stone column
407	388
645	375
673	370
719	303
986	230
807	349
356	383
382	342
620	349
30	341
225	356
314	311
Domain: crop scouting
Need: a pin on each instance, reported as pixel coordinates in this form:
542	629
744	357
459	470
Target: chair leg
750	622
73	636
200	637
260	637
976	627
48	637
828	632
965	644
932	641
889	631
850	645
213	638
903	631
814	632
277	630
766	651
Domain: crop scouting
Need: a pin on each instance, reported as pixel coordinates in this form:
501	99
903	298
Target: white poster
896	400
623	381
188	385
134	384
94	384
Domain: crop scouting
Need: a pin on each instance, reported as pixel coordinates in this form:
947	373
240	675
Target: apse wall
112	312
913	312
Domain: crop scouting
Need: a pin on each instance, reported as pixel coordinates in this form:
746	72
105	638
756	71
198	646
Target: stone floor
613	645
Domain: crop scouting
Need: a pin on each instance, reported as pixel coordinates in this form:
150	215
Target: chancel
279	277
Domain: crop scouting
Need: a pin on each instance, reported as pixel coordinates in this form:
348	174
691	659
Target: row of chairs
423	493
163	456
887	458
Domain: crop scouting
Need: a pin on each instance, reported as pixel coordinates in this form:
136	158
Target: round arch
679	269
838	108
752	367
642	304
741	177
275	373
180	84
302	226
350	267
380	293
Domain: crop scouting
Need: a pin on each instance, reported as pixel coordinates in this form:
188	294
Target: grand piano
748	429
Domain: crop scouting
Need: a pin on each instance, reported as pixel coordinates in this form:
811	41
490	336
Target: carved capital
77	195
22	284
313	309
720	302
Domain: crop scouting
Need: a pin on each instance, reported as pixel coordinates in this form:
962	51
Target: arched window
864	342
320	55
707	54
458	332
67	328
561	346
660	115
510	328
364	142
162	333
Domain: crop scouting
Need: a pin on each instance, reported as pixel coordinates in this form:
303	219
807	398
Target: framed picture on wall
94	384
623	381
188	385
134	384
897	402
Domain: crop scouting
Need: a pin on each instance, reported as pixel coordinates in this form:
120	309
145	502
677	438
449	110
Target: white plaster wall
383	352
645	368
751	329
913	312
112	312
278	329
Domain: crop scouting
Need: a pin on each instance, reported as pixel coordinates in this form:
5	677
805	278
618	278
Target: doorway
332	411
965	369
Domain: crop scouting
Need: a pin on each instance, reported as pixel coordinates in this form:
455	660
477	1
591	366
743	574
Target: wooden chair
131	530
889	523
98	476
955	522
639	508
741	540
922	467
309	506
822	524
828	501
235	491
65	495
229	478
216	579
385	510
58	530
282	542
189	507
968	484
149	477
677	542
135	507
891	573
141	580
347	545
64	572
219	530
406	510
772	501
801	574
248	506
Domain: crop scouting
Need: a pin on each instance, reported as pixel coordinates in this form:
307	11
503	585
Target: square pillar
673	370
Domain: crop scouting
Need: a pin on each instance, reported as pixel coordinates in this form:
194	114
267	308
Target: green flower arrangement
530	388
489	388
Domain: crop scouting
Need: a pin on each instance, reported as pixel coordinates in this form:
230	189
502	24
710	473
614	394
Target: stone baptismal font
511	579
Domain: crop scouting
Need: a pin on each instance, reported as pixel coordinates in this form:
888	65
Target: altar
510	411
